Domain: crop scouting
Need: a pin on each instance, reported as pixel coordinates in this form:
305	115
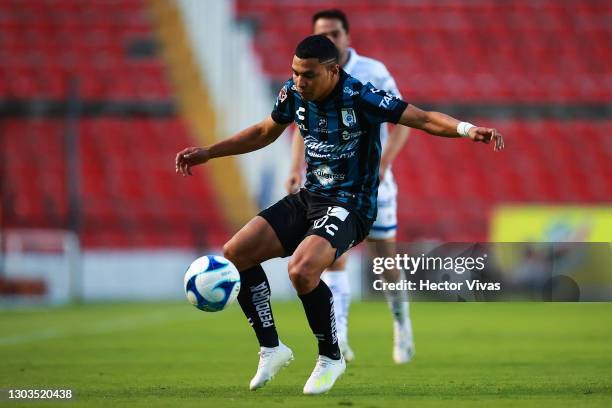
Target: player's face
332	29
313	80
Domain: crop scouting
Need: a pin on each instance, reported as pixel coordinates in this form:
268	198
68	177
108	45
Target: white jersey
370	70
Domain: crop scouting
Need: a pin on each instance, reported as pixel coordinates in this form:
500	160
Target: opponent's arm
294	181
440	124
396	140
250	139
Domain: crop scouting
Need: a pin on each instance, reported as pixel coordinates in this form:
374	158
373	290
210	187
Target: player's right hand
294	182
191	156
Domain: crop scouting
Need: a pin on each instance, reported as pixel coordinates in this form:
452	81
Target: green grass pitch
170	354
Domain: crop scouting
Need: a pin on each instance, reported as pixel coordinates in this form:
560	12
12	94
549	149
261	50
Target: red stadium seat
535	53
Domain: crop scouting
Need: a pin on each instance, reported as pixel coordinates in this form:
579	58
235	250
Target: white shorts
385	225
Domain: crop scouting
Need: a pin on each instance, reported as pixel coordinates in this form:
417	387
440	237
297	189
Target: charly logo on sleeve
326	176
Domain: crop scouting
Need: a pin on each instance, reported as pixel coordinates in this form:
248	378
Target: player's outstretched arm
440	124
298	150
250	139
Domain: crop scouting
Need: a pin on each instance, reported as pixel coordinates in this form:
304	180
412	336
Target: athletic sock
254	299
318	305
338	283
398	304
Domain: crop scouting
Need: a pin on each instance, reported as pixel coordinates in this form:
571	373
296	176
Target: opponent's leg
337	278
254	243
403	341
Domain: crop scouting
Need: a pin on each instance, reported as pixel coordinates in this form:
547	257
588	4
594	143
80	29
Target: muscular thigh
314	254
255	243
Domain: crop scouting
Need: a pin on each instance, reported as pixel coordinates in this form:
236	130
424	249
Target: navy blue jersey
342	138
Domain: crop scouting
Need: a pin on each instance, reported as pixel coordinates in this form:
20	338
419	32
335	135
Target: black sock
254	299
319	307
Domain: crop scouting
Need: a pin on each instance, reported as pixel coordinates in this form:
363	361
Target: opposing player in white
334	25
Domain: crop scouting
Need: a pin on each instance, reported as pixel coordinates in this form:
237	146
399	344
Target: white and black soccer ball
212	283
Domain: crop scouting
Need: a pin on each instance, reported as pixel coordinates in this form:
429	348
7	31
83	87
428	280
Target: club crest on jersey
348	117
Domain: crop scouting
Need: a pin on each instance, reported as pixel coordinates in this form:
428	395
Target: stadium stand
540	53
486	53
129	195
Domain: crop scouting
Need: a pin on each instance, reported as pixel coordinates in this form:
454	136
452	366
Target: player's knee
302	274
231	252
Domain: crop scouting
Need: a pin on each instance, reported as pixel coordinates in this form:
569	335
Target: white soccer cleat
324	375
271	360
346	351
403	344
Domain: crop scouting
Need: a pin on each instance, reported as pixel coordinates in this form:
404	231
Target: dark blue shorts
304	213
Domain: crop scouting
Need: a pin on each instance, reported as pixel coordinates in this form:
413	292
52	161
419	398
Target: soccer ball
212	283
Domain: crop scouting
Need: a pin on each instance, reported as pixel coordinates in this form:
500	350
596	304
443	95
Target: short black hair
319	47
332	13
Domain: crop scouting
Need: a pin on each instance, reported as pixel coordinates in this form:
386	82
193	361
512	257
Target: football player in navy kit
339	118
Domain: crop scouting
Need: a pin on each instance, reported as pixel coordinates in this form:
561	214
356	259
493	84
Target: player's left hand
486	135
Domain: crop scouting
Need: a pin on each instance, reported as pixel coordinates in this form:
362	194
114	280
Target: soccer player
340	120
334	24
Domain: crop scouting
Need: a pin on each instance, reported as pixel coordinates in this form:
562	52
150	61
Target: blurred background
97	97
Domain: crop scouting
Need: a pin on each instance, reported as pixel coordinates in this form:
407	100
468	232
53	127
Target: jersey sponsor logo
346	135
326	177
386	100
314	145
326	131
350	92
348	117
328	156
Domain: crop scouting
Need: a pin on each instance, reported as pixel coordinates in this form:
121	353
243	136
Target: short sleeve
380	106
282	112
